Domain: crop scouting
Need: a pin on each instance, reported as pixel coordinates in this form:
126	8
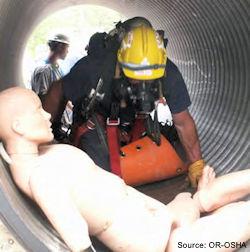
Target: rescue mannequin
64	181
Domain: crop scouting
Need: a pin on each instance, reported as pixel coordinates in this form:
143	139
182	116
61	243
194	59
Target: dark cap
96	42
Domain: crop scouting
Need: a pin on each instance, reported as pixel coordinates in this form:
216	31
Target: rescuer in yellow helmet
143	60
130	80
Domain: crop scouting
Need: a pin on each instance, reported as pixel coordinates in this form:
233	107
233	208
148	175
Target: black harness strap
153	128
100	132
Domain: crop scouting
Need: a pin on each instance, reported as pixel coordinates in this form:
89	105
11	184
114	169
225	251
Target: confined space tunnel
208	40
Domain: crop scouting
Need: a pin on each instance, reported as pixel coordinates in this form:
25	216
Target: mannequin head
23	118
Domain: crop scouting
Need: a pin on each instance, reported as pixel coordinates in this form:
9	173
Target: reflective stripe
131	66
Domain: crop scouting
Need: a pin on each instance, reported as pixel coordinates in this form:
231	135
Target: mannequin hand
195	172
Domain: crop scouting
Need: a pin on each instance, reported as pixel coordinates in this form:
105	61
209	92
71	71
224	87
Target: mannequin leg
226	229
216	192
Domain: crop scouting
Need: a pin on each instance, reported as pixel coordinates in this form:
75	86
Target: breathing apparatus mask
140	95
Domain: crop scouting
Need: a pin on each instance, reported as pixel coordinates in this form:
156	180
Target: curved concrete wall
208	40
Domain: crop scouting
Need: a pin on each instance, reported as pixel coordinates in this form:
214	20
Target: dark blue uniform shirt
86	72
84	76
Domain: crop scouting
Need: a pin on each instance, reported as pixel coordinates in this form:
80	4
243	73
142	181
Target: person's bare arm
54	101
187	133
55	201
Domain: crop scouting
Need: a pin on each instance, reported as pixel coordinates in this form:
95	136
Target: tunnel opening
78	23
208	40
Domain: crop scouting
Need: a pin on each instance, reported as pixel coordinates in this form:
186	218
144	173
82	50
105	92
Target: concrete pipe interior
208	40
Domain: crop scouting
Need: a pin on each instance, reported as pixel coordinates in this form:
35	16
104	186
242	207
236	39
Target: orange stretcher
143	162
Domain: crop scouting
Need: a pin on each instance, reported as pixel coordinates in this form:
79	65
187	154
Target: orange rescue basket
143	162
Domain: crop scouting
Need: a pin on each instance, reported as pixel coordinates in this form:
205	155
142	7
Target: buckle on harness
113	122
90	125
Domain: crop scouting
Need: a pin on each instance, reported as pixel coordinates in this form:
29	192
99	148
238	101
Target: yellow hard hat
142	54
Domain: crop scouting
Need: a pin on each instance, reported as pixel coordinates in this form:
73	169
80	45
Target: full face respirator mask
141	95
